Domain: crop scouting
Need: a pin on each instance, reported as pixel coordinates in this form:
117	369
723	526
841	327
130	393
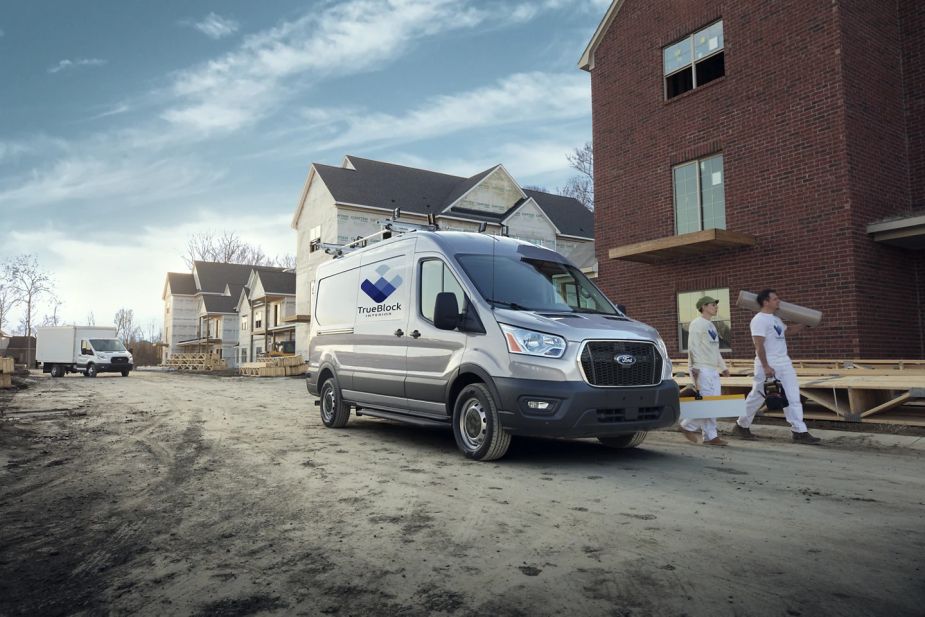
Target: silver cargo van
494	336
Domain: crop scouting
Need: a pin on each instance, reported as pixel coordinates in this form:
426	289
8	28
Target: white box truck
81	349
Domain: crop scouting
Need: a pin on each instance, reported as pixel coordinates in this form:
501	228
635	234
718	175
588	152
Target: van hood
576	327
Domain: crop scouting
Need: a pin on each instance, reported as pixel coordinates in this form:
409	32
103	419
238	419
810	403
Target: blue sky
125	127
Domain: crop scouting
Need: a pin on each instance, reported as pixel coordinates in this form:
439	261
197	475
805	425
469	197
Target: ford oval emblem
625	360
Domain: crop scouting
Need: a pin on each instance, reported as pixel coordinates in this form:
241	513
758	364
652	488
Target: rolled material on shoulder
787	311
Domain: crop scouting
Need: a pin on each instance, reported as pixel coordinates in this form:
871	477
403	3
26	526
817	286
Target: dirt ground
195	495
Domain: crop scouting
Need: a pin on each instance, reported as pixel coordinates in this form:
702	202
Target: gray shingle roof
220	304
389	186
181	284
214	276
277	282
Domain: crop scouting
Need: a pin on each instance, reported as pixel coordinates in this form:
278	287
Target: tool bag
774	396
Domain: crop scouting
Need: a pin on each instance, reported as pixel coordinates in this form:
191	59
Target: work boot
716	441
806	438
743	433
691	436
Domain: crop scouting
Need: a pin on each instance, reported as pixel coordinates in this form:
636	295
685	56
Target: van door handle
399	332
415	334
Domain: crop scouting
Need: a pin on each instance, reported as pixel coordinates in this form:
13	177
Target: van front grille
120	360
629	414
621	363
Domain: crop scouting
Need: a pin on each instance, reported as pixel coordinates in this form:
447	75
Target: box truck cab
493	336
85	349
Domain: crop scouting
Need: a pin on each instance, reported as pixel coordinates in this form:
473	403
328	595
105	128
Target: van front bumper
576	409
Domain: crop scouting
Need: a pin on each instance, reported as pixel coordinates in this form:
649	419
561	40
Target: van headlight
531	343
667	369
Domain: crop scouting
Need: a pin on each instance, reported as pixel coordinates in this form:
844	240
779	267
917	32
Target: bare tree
9	297
226	247
581	187
53	319
285	261
126	329
31	282
91	319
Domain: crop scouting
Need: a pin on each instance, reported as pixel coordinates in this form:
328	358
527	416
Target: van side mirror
446	311
622	308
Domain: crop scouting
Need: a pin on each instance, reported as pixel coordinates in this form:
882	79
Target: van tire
622	442
91	370
125	373
57	371
334	413
477	424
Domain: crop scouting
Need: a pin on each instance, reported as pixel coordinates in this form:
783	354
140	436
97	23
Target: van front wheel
621	442
334	413
477	425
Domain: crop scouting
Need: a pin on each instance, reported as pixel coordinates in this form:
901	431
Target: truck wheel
477	425
125	373
621	442
91	370
334	413
57	371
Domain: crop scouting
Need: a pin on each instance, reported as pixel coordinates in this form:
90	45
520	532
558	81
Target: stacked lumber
6	372
195	362
280	366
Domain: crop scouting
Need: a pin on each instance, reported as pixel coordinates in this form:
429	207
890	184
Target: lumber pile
195	362
279	366
6	372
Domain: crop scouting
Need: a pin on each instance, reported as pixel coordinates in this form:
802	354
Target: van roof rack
389	226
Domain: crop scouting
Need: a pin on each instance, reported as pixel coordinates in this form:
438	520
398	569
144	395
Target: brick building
747	144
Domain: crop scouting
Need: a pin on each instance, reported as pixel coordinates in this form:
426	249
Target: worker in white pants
705	364
771	360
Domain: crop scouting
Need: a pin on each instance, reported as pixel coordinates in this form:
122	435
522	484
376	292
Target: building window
687	312
694	61
258	321
243	355
244	321
436	278
699	197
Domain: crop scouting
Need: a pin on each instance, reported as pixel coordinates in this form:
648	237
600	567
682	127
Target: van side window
85	348
435	278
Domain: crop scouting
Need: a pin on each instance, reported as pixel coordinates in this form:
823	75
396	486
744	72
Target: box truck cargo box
81	349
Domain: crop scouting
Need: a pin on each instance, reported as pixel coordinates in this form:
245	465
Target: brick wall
912	24
780	120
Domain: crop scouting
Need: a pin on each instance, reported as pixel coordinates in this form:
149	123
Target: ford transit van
490	335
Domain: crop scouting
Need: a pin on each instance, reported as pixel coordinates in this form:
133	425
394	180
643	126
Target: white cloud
523	98
2	33
215	26
75	178
87	280
241	87
75	63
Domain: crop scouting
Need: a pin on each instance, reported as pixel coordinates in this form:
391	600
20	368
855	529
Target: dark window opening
712	68
679	83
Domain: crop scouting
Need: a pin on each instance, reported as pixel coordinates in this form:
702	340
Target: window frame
674	192
420	287
714	292
692	65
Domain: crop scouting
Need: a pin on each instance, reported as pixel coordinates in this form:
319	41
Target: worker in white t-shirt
771	360
705	365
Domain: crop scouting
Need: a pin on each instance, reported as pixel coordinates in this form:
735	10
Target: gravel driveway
177	494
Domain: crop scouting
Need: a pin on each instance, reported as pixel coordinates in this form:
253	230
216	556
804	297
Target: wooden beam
683	245
896	402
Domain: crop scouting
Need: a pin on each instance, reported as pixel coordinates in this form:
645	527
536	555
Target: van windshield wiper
511	305
590	310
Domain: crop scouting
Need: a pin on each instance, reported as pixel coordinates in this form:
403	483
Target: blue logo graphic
381	289
778	329
712	334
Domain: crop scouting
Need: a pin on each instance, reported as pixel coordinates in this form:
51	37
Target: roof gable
587	58
212	277
179	284
493	193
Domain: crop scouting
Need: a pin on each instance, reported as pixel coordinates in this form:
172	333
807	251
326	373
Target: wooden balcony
693	244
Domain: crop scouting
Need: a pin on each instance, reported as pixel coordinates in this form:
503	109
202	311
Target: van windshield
107	344
521	283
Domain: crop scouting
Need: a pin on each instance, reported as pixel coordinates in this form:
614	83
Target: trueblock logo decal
778	329
381	289
712	334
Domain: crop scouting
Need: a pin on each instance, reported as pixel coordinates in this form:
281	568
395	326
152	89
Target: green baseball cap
706	300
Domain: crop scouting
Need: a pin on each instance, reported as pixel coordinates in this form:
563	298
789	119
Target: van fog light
538	406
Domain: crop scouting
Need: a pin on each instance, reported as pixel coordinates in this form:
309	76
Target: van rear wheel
477	425
622	442
334	413
57	371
